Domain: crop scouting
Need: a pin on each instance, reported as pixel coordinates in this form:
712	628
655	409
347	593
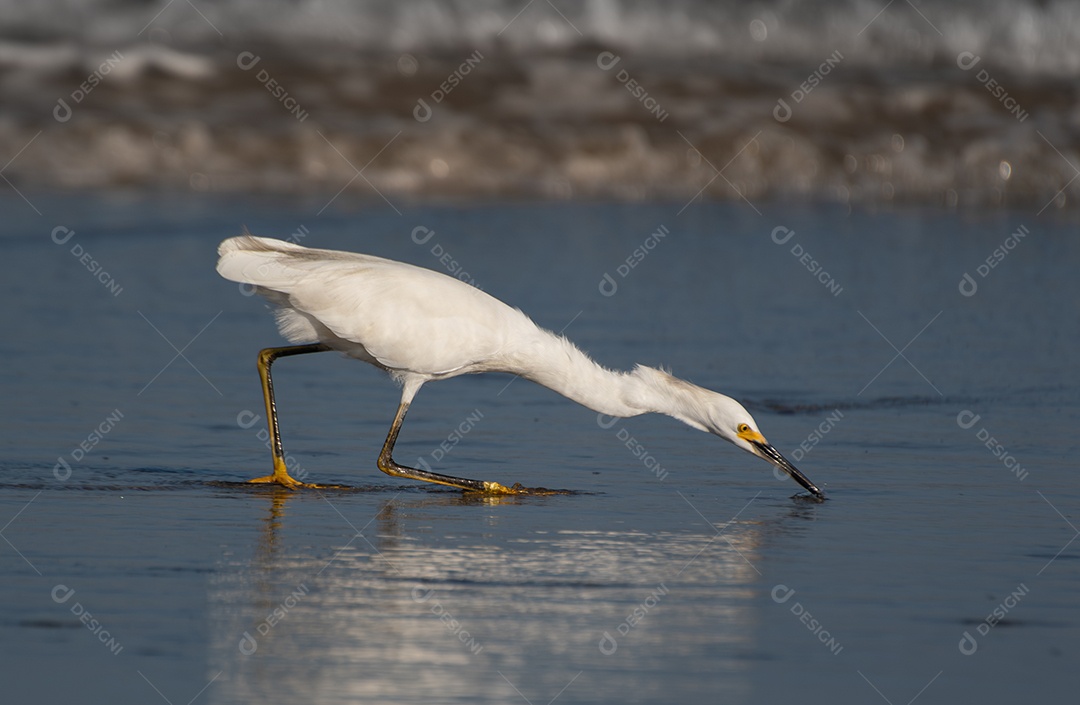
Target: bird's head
709	411
729	420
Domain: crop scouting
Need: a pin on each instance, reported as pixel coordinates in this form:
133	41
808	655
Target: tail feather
271	266
260	261
251	243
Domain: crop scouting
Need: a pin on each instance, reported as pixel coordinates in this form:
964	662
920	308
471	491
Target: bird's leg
387	465
266	358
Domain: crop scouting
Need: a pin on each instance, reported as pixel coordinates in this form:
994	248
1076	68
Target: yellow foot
518	488
283	480
496	488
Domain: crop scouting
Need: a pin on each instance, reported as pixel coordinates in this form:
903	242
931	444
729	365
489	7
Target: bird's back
395	315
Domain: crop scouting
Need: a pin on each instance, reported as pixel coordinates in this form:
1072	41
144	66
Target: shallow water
681	571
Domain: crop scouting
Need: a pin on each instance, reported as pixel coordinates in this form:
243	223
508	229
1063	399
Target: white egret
419	325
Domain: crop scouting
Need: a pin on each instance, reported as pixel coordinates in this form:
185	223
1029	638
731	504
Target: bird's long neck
559	365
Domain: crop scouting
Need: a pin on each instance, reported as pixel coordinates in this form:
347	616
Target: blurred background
849	101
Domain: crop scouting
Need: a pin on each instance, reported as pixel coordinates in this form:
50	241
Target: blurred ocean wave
972	103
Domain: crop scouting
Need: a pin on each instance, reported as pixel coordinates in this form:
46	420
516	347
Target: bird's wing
405	317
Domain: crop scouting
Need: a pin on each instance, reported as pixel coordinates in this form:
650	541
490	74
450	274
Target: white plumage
420	325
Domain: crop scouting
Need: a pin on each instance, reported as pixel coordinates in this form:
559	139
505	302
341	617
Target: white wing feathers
400	316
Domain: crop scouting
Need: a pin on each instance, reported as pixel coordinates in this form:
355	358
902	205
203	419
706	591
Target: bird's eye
743	428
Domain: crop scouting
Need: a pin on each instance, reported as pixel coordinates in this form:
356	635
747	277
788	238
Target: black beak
773	456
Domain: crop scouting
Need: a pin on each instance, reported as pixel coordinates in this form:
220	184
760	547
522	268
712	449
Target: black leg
266	358
386	461
387	465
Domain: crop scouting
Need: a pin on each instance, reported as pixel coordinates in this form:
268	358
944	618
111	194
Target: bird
419	326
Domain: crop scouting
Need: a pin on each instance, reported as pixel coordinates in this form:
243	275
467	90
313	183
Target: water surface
682	570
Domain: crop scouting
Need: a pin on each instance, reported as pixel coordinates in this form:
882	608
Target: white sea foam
966	103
